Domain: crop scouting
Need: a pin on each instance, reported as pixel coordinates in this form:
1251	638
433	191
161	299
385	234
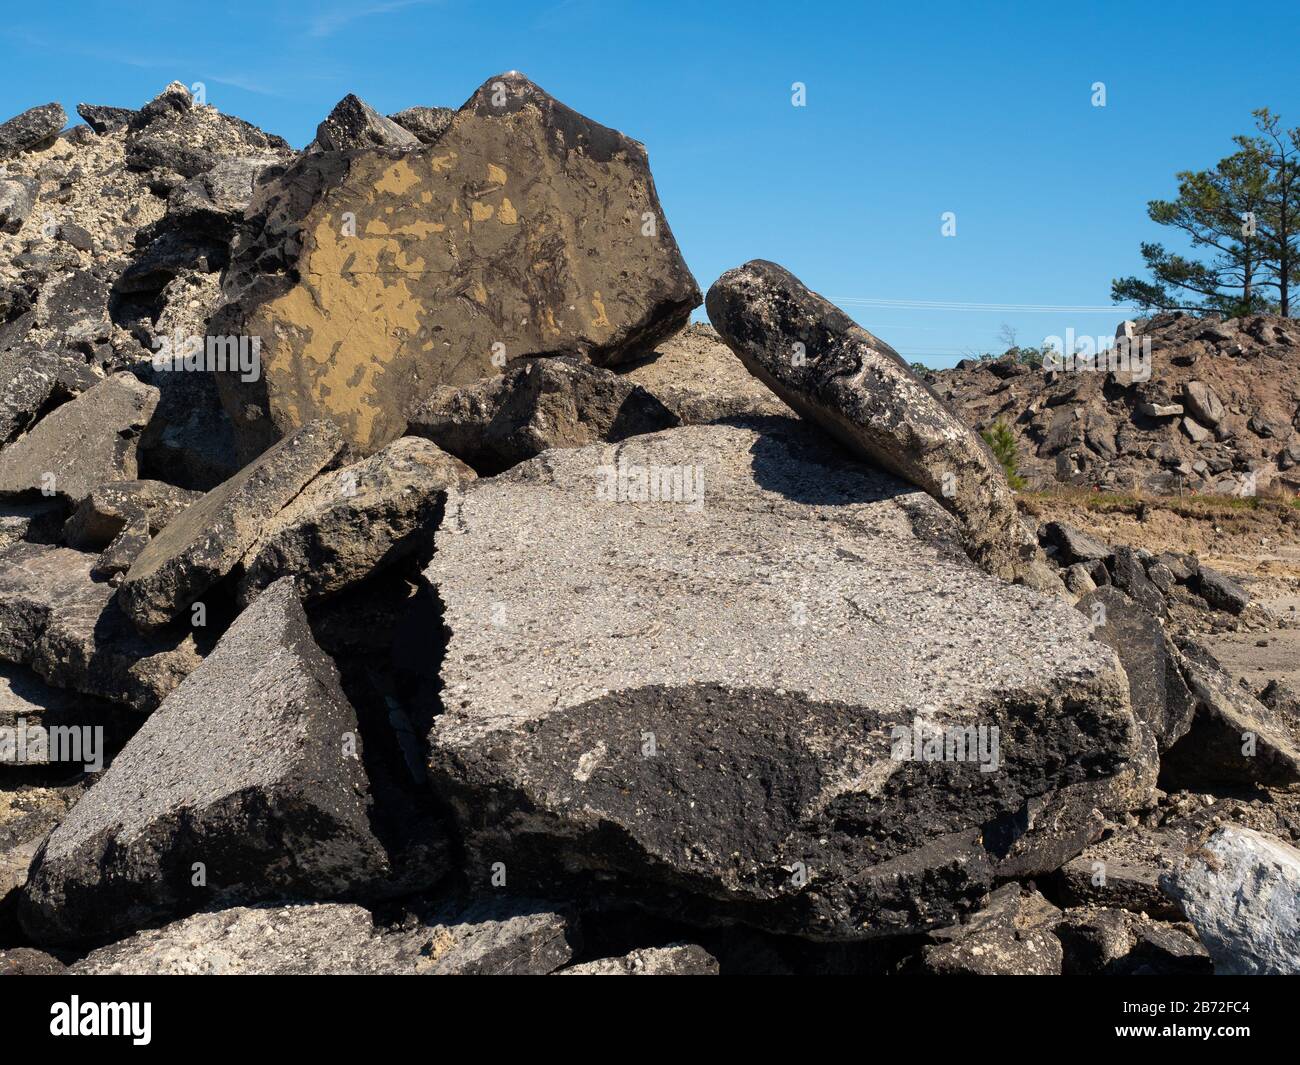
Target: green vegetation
1242	218
1002	441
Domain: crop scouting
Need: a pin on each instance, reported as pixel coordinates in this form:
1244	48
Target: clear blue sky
912	110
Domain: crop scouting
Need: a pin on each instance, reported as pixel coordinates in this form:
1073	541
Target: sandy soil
1258	546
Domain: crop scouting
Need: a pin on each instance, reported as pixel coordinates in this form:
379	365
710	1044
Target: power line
951	305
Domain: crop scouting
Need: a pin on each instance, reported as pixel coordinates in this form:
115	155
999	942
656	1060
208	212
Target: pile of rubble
389	583
1181	404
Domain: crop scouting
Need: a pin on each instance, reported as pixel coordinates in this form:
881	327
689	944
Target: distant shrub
1002	441
1028	356
1023	356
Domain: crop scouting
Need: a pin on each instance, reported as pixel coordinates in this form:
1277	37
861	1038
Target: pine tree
1002	442
1218	210
1242	219
1278	224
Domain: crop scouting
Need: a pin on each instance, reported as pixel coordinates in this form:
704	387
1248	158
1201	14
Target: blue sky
912	110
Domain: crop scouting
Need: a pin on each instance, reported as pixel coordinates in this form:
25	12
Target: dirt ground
1256	542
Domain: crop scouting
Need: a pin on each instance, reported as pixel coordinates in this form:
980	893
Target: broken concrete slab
1234	738
1010	935
27	814
1123	870
491	938
109	508
467	247
31	711
353	123
73	309
103	119
1130	576
353	522
1220	590
87	442
116	560
1077	580
190	441
1070	545
24	961
37	520
837	375
695	375
17	197
209	205
427	123
1100	941
204	542
177	133
28	380
764	631
1203	403
678	959
539	404
1241	889
30	128
1159	694
251	768
70	630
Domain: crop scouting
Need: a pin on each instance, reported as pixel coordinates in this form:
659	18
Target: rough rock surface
766	639
1010	935
172	132
329	938
1220	591
205	541
1130	576
71	631
352	522
23	961
110	508
1069	545
1241	889
355	124
83	444
15	204
543	403
427	123
1234	738
35	520
680	959
836	374
1157	690
190	441
30	128
102	118
1098	941
372	278
696	376
26	699
710	785
1123	870
248	768
1202	403
27	814
29	379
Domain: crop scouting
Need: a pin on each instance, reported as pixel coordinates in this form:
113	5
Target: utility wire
950	305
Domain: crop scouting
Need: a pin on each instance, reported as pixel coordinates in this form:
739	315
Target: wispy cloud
328	23
173	66
237	81
98	55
